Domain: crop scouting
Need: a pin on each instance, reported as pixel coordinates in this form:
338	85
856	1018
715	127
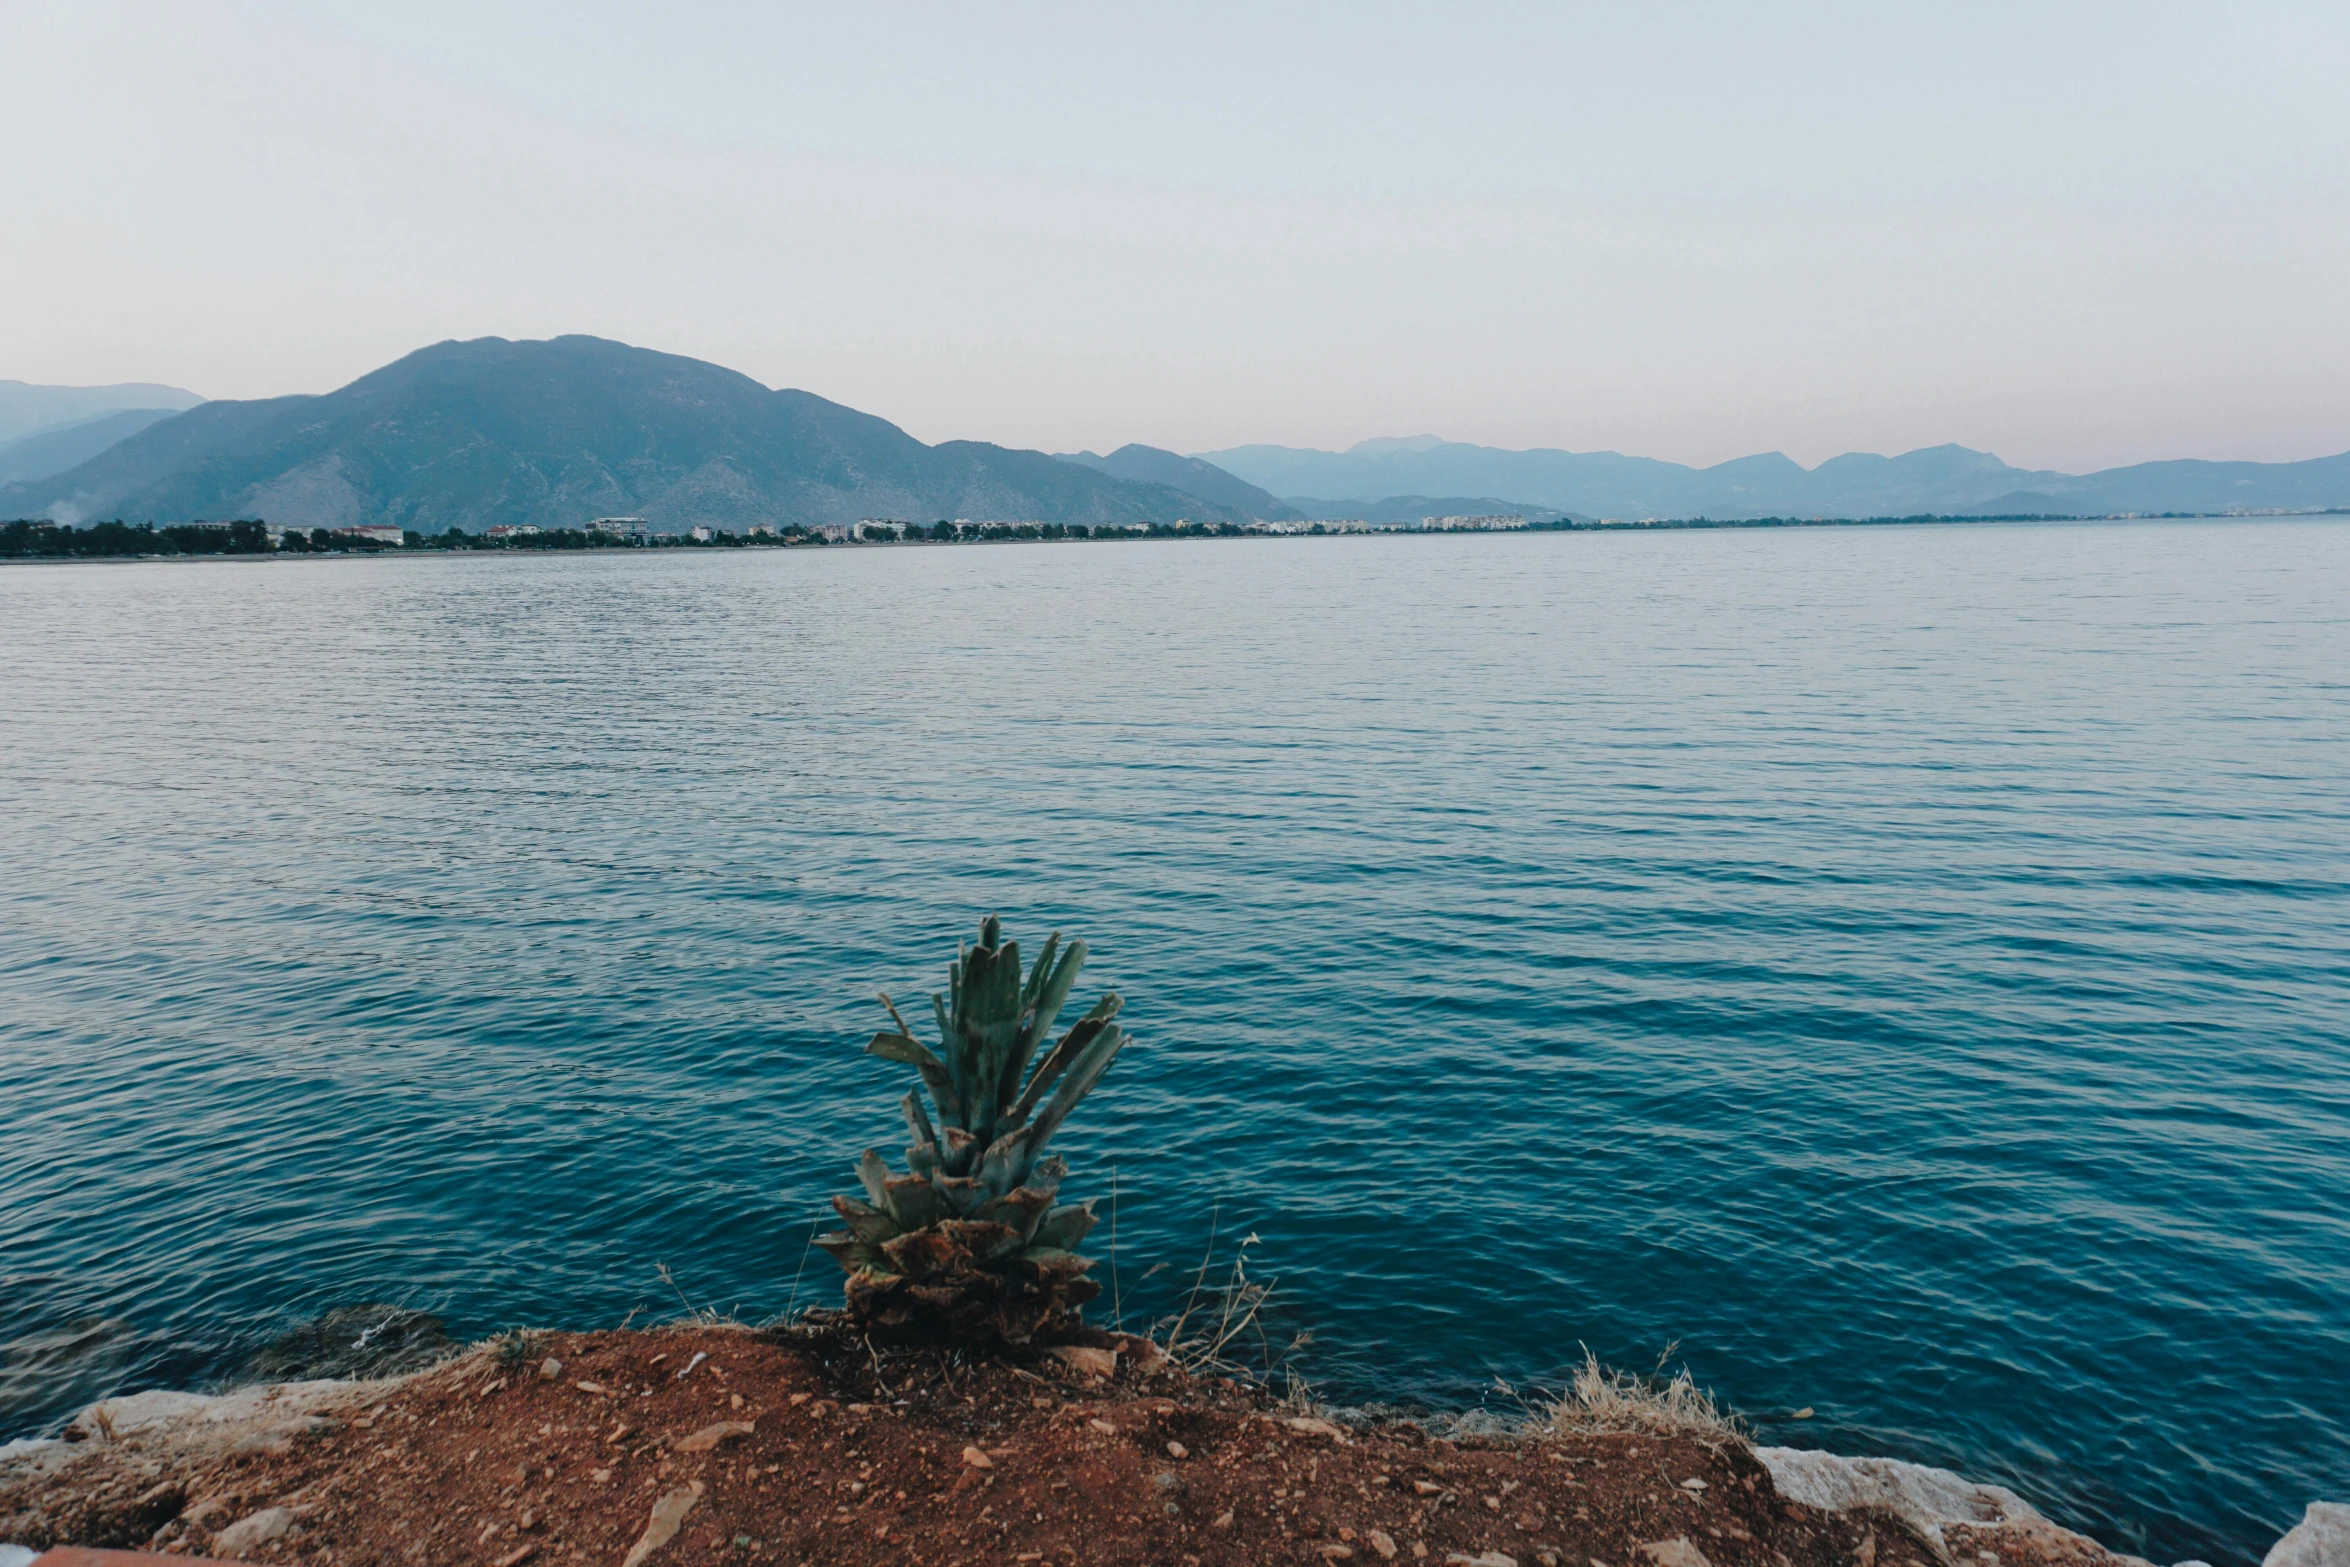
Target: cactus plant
969	1246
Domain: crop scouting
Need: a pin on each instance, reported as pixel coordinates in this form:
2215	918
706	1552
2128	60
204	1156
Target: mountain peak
1381	445
556	431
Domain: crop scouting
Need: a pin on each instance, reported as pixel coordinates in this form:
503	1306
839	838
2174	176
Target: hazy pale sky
2075	235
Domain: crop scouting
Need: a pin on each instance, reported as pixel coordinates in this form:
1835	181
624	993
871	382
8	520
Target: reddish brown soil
852	1458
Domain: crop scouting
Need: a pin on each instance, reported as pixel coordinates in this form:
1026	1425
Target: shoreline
801	1445
1660	525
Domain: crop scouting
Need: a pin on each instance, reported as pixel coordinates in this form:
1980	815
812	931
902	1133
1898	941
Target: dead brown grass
1601	1399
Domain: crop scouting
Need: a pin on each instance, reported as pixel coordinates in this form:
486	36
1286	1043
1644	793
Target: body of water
1904	968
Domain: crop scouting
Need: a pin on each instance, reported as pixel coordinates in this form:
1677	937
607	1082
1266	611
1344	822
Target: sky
2076	235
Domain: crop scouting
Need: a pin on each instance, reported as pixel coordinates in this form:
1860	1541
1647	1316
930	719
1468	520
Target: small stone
1693	1484
797	1399
1426	1487
528	1521
1676	1552
667	1518
1223	1519
1086	1361
1178	1450
1307	1426
1103	1426
1489	1559
734	1401
710	1436
1492	1504
977	1459
1804	1413
600	1476
1383	1543
252	1530
550	1368
517	1556
1337	1553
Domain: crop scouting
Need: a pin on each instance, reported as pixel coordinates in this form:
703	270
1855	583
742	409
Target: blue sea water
1903	968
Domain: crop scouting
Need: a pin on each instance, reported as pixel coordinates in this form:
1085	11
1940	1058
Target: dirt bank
717	1445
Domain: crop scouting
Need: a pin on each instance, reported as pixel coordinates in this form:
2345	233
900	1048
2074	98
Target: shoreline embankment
710	1442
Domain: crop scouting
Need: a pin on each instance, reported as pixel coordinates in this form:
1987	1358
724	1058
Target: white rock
1922	1497
1676	1552
254	1529
16	1555
2320	1539
154	1411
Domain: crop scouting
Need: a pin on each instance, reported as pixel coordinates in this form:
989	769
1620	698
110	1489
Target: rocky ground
714	1444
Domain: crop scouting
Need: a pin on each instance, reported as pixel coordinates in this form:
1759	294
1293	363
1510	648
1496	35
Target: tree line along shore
41	539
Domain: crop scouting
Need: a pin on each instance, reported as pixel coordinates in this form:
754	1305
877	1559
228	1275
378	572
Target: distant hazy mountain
1945	479
1152	465
1412	508
556	433
26	409
44	452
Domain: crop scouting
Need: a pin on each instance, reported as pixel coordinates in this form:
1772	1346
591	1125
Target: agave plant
969	1245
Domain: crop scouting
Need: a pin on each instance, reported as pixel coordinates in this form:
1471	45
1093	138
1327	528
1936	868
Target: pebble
1178	1450
1679	1552
550	1368
668	1515
1383	1543
254	1529
710	1436
977	1459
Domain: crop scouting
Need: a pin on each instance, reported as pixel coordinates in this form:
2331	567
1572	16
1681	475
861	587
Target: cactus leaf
903	1048
914	1202
1083	1033
1020	1209
871	1173
870	1225
1083	1073
918	1125
1063	1228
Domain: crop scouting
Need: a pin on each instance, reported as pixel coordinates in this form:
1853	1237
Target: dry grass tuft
1221	1329
1599	1399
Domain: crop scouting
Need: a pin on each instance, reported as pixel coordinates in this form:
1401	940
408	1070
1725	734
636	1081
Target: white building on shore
1493	524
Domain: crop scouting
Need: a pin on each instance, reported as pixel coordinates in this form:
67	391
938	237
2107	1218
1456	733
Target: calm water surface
1904	968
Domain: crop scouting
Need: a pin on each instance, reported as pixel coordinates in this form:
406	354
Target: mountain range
57	447
555	433
1153	465
1949	480
26	409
